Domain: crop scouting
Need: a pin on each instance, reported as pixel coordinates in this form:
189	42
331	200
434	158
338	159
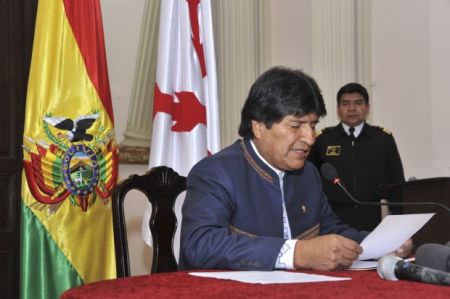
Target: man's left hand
405	250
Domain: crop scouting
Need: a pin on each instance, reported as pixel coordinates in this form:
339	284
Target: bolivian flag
70	154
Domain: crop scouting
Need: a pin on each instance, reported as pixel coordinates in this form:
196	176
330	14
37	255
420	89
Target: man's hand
329	252
405	250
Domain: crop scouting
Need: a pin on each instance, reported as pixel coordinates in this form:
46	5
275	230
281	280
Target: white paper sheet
266	277
391	233
363	265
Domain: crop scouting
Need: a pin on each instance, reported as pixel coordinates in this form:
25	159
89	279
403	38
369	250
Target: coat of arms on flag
75	159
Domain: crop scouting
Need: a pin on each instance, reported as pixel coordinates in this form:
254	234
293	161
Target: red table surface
364	284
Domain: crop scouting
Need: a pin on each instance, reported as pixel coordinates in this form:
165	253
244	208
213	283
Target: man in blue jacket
258	204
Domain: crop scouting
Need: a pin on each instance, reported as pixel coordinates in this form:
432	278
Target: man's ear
257	128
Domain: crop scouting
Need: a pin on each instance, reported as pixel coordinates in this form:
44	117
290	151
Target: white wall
410	72
290	33
440	88
121	25
411	60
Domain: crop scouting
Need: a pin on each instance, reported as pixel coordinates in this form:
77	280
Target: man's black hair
353	88
277	93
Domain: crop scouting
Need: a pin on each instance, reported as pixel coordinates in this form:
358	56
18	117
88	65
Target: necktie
352	135
352	131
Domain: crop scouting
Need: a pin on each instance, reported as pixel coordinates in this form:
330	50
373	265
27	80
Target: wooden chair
161	185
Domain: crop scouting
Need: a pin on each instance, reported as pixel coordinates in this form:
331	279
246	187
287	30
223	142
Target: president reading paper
258	204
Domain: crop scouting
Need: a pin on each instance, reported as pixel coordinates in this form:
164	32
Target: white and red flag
185	107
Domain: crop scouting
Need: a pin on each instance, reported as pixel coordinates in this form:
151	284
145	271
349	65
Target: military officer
365	157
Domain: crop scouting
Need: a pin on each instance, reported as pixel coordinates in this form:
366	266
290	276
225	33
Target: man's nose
309	136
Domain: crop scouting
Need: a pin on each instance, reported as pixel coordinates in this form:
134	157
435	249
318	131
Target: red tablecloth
364	284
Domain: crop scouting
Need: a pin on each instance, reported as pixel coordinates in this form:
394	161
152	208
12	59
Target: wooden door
17	18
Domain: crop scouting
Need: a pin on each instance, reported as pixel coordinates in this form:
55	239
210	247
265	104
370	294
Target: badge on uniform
333	150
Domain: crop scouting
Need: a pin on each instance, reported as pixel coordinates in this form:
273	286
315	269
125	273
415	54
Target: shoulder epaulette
387	131
321	131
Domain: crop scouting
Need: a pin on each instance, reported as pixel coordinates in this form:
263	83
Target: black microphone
330	174
433	255
391	267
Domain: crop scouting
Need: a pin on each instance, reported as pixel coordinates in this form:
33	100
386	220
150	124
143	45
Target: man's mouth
302	152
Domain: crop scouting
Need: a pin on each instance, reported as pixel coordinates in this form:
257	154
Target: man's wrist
299	260
285	259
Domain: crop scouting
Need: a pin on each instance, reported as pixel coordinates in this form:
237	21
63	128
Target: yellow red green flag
70	154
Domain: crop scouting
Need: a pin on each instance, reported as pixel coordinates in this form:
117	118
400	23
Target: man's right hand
329	252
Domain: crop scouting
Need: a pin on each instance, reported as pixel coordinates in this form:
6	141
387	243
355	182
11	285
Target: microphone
330	174
391	267
433	255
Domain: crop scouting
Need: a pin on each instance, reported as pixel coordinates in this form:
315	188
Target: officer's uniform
370	160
